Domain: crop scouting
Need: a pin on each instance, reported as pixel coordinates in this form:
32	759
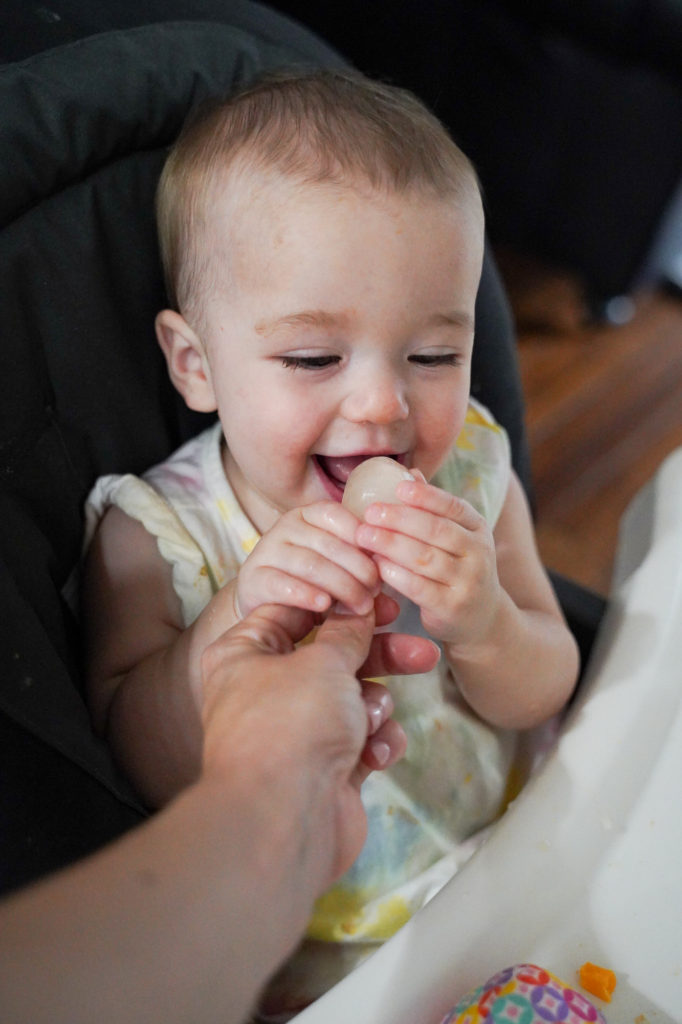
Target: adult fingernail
381	752
375	713
342	609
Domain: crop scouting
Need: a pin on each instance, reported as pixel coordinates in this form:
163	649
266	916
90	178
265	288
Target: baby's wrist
482	646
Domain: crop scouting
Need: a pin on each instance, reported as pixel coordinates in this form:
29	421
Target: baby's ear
186	360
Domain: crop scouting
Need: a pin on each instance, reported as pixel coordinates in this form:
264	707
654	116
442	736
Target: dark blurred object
85	123
572	113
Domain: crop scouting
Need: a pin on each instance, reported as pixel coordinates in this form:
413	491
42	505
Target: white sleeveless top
453	779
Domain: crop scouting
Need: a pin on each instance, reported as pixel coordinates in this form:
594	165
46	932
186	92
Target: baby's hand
308	560
436	550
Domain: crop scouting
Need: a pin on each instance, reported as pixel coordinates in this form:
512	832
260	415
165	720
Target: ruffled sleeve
191	573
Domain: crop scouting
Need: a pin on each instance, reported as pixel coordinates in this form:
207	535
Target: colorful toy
524	994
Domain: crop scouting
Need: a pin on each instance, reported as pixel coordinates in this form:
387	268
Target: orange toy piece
598	981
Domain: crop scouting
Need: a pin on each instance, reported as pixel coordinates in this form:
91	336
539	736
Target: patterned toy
524	994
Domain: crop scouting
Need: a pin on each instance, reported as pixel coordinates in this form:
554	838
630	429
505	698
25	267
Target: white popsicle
373	480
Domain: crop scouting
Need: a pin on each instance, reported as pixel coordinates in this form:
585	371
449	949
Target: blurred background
572	114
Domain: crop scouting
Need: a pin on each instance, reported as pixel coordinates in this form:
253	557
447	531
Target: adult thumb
347	638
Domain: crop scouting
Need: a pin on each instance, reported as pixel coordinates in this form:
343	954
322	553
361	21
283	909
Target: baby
322	238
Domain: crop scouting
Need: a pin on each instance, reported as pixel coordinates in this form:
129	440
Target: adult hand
221	882
309	712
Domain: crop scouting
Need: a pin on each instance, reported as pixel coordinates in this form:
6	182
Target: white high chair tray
587	862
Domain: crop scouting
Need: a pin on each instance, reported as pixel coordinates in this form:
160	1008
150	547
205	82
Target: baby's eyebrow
456	318
322	318
306	318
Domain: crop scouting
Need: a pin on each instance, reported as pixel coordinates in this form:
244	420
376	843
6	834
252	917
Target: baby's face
345	332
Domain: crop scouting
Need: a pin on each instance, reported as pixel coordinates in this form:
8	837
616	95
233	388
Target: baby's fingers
335	579
431	556
432	499
276	587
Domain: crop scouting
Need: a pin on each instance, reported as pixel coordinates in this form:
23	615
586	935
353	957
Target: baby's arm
485	596
143	666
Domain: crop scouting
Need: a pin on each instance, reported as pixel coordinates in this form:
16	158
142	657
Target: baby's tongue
340	467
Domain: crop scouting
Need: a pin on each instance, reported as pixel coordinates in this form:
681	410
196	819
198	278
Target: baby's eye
309	362
436	359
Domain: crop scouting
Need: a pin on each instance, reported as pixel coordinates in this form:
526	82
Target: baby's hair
314	127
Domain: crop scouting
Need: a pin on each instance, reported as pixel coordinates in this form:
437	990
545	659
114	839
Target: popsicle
373	480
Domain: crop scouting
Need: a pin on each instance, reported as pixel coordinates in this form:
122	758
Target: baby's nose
377	397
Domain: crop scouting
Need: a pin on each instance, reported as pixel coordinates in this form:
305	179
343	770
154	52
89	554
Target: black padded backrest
84	129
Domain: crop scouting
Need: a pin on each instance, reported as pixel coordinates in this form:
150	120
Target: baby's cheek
434	447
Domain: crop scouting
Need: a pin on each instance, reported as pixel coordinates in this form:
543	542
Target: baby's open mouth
338	468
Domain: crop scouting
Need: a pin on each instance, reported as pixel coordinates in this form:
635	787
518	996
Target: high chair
90	100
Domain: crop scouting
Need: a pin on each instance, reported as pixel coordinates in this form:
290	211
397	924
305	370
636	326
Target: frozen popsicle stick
373	480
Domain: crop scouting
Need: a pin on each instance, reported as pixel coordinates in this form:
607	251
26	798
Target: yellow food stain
308	638
393	914
515	783
340	913
474	416
404	814
225	509
464	440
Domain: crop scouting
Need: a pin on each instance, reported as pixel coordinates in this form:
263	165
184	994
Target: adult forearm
181	920
185	918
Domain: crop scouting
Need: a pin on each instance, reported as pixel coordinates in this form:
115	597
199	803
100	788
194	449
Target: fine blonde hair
316	127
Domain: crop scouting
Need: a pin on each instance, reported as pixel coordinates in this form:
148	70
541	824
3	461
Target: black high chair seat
90	100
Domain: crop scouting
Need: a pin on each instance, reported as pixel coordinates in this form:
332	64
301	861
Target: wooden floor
604	408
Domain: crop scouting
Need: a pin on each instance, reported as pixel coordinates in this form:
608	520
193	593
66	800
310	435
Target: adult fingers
345	640
385	747
378	702
400	654
386	609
